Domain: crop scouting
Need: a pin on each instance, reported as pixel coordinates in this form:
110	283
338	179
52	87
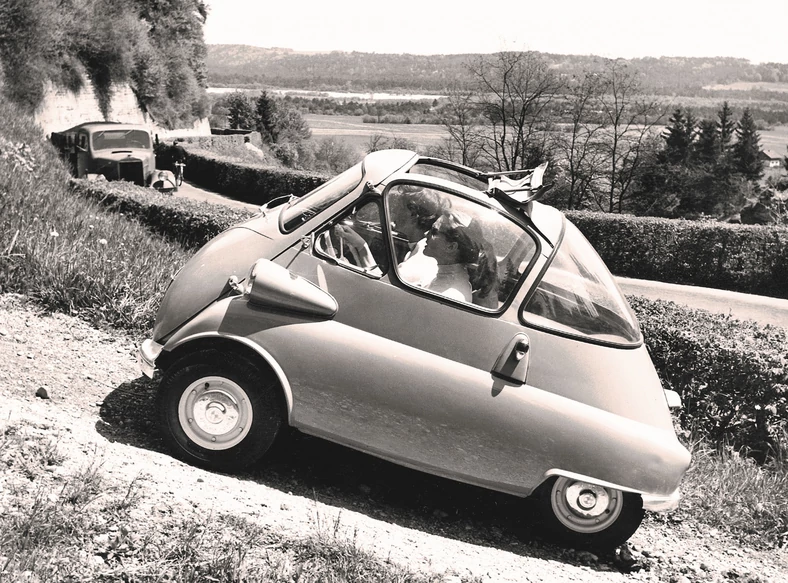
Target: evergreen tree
679	136
707	146
266	117
746	151
726	127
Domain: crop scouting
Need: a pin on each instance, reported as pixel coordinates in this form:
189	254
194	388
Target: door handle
512	363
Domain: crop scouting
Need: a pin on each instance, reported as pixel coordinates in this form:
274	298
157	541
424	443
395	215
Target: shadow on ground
341	477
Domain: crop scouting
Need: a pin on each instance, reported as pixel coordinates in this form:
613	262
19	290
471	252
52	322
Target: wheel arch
234	345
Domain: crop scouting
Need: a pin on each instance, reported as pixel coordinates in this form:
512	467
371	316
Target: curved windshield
579	296
121	139
322	197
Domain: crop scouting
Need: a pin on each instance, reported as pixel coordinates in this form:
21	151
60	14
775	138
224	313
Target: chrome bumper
146	357
661	503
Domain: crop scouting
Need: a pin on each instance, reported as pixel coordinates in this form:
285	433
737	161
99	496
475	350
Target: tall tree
726	126
707	146
747	149
242	114
679	137
514	91
580	146
630	120
265	108
459	117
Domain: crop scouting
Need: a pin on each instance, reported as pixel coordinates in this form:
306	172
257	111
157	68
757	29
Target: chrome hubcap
585	507
215	413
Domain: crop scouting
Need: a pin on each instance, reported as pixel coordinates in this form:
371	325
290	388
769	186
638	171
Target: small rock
586	557
3	332
42	393
200	480
284	507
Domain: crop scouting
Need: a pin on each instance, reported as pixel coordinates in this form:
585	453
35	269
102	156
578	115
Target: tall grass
65	251
731	492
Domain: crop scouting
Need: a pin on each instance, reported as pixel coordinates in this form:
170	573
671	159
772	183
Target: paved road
762	309
742	306
189	190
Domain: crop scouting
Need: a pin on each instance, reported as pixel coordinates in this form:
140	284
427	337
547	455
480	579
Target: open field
750	85
357	134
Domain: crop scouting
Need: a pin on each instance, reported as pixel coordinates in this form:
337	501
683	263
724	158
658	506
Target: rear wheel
219	411
587	515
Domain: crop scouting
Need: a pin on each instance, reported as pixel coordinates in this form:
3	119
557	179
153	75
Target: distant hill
276	67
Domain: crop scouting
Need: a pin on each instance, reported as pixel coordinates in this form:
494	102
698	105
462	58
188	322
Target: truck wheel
219	411
585	515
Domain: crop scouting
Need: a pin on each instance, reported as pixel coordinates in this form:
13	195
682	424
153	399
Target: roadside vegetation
155	47
62	524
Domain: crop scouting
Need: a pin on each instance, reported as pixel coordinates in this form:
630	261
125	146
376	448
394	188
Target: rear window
315	202
578	296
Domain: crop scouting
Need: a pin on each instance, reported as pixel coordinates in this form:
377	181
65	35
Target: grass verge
61	526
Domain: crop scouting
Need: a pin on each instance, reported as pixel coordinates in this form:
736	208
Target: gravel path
97	404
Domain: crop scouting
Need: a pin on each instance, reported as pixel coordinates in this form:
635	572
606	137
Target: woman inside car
467	267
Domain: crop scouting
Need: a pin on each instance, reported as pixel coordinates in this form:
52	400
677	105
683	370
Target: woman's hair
475	252
424	204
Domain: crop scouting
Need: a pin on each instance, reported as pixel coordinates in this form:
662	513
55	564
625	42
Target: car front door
416	372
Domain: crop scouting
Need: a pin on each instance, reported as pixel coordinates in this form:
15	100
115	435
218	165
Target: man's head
415	209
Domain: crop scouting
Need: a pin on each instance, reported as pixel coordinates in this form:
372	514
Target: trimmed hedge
247	182
187	222
732	375
745	258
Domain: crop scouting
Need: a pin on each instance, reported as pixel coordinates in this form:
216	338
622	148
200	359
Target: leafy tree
242	115
746	151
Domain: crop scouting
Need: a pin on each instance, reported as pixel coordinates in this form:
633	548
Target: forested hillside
235	64
157	47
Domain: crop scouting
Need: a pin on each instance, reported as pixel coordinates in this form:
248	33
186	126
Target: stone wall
62	109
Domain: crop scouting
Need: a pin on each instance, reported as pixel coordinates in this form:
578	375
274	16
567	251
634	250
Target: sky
608	28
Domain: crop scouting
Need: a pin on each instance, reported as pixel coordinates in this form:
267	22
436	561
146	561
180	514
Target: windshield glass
315	202
121	140
579	296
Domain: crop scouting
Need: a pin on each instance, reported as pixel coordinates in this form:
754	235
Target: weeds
731	492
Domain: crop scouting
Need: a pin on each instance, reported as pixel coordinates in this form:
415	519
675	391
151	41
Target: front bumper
146	356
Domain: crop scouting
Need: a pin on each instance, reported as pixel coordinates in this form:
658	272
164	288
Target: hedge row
247	182
744	258
187	222
732	375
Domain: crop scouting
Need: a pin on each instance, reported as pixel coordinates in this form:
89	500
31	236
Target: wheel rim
584	507
215	413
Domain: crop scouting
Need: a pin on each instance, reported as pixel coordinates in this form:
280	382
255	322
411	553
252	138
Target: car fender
652	502
206	325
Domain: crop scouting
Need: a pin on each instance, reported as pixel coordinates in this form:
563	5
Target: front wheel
586	515
219	411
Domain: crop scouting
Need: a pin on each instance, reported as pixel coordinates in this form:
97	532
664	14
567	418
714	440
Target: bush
187	222
732	375
247	182
744	258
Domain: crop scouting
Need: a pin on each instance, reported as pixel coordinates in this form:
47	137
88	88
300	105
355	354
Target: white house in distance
771	159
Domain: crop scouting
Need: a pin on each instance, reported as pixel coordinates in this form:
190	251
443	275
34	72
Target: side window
455	247
83	142
355	240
